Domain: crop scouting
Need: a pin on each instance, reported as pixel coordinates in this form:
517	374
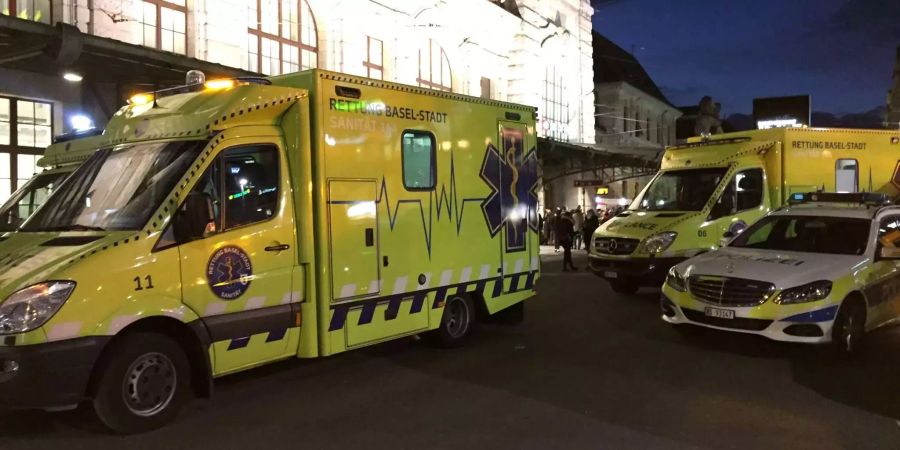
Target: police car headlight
675	280
31	307
659	242
811	292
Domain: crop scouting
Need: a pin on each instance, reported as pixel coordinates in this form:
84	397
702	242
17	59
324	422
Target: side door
741	204
882	280
517	174
237	273
353	239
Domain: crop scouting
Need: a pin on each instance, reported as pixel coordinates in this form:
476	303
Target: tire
148	365
624	286
456	323
849	330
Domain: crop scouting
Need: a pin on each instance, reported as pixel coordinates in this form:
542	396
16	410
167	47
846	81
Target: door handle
277	248
370	237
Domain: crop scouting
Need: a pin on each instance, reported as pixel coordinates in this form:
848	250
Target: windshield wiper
76	227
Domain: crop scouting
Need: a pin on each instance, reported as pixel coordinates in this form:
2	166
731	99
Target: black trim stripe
340	311
240	326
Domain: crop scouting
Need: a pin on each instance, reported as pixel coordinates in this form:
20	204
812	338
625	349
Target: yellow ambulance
708	190
60	159
227	224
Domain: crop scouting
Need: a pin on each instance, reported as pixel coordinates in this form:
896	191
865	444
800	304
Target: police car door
237	274
883	279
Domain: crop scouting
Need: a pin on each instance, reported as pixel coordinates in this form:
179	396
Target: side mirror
194	218
889	253
726	238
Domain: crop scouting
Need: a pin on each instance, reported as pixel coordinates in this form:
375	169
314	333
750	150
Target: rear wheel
848	333
627	286
456	323
143	382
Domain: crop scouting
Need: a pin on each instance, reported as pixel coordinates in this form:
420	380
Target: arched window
555	118
282	36
434	68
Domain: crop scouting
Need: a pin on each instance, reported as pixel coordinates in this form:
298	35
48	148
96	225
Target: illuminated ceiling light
73	77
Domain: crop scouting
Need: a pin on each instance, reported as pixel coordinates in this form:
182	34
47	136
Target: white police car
824	269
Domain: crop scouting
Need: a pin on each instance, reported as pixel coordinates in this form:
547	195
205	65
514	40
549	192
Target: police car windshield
28	199
680	190
809	234
116	189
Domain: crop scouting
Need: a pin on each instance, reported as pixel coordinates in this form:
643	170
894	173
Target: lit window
846	173
33	124
282	37
164	25
36	10
434	68
374	62
418	154
26	129
555	116
4	121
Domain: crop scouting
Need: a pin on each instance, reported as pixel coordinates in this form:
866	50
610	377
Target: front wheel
626	286
456	323
143	382
848	333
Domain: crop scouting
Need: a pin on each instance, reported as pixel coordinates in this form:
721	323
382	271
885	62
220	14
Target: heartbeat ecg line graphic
443	205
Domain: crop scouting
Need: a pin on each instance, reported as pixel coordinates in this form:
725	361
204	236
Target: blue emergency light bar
861	198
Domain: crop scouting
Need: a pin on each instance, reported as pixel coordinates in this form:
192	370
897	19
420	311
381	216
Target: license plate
720	313
610	275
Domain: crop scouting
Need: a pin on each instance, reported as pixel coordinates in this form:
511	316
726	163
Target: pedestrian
554	222
578	218
565	233
541	228
546	233
591	223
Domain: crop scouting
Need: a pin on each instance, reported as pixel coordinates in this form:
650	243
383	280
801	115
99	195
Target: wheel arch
857	296
193	338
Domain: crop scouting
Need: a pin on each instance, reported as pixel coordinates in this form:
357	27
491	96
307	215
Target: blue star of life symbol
511	173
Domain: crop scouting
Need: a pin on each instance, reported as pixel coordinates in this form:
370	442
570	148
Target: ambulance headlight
29	308
659	242
811	292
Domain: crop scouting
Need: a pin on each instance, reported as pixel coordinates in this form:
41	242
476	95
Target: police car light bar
862	198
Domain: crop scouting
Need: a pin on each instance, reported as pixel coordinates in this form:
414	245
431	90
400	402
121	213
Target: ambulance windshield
28	199
808	234
116	189
680	190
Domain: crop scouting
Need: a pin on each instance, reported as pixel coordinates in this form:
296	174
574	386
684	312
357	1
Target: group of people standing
569	228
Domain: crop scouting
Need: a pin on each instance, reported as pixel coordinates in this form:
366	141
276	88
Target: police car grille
729	291
615	246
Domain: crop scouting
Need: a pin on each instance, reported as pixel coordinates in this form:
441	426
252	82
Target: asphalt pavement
586	369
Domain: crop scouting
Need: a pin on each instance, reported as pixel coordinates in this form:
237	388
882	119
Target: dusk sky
841	52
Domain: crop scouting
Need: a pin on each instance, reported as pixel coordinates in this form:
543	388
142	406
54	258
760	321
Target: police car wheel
456	323
624	286
849	328
144	381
